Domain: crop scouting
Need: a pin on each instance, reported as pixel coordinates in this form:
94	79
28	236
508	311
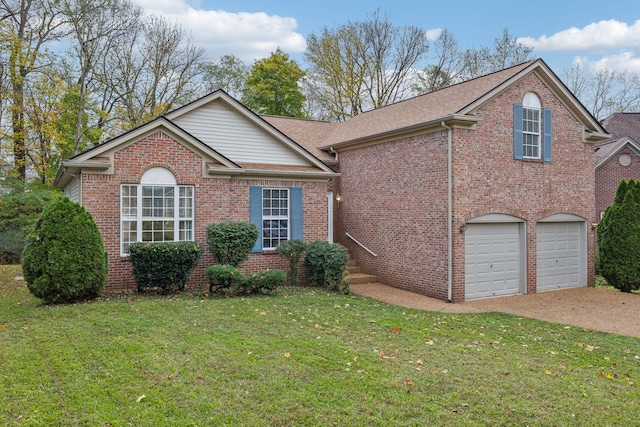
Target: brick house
209	161
484	188
617	158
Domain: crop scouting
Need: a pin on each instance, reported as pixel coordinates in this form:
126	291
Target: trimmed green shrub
227	278
264	282
292	250
223	277
163	264
619	239
64	259
327	263
231	242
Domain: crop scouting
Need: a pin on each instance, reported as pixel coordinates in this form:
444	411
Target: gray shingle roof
421	109
620	125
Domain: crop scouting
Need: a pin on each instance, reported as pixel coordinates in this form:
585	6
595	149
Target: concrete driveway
595	308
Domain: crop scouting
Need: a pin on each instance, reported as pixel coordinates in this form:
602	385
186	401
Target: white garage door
560	255
492	260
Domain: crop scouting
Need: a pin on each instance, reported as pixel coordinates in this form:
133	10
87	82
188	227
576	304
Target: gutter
449	214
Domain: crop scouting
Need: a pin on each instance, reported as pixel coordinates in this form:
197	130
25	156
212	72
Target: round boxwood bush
64	259
231	242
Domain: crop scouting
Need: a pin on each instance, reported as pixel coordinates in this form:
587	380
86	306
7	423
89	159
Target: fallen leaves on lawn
139	399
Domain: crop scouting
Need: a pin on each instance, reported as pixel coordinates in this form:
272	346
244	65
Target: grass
302	357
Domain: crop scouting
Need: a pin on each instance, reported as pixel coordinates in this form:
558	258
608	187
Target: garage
561	253
493	257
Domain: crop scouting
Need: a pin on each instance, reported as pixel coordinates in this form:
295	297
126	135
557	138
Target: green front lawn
303	357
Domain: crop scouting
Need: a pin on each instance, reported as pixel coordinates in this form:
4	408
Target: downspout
449	214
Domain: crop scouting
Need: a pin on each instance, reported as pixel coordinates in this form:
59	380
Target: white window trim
276	217
531	102
156	177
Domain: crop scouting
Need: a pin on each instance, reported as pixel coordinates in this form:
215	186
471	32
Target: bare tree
154	69
362	65
604	91
506	52
96	26
446	68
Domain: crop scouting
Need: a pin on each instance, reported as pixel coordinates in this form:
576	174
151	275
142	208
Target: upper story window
156	210
532	129
531	126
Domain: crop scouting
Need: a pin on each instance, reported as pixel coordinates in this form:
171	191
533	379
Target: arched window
532	130
156	210
531	126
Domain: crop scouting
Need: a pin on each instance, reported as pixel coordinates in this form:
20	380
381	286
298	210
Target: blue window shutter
518	152
297	223
546	134
255	214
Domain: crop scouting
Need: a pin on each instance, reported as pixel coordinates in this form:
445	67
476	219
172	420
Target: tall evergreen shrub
64	259
619	239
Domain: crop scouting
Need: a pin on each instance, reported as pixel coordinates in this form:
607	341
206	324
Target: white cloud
248	36
433	34
626	61
596	37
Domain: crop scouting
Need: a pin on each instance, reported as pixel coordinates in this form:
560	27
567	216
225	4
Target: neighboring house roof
454	105
624	129
609	149
619	125
216	106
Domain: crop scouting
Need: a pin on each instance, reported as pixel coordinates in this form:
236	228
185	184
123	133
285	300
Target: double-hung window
275	216
531	132
532	129
156	210
278	215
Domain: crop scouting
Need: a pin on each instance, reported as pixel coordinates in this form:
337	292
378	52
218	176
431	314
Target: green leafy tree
273	86
619	239
229	73
20	207
64	259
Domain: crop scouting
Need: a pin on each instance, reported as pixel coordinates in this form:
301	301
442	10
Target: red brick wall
395	203
609	175
488	180
395	194
216	200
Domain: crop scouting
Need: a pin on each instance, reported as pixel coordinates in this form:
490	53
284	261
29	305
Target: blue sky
562	32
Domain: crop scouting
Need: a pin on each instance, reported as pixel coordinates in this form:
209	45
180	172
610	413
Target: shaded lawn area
301	357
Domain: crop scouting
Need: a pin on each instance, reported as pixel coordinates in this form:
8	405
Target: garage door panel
559	255
492	260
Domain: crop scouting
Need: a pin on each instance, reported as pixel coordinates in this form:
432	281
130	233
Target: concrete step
360	278
353	269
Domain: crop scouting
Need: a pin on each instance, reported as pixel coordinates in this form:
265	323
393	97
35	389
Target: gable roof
100	157
454	104
605	151
259	122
